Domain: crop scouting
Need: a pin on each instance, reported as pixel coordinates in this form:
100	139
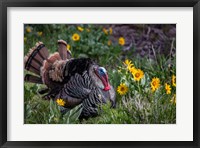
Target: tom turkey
75	81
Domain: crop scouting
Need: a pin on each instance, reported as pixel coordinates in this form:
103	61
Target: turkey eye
101	70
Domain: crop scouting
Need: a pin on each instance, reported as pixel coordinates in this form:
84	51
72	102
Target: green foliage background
139	106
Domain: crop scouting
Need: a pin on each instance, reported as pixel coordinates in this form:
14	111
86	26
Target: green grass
140	105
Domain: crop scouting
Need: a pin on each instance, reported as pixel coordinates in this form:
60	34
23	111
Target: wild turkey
76	81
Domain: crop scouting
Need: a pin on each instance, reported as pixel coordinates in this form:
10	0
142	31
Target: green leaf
143	80
72	115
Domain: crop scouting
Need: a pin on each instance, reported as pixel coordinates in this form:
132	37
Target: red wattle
107	88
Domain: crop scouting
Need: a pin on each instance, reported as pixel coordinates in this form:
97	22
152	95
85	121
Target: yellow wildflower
80	28
105	31
174	80
39	33
68	47
128	62
88	30
173	100
138	74
130	66
109	42
122	89
25	39
28	29
133	70
168	88
60	102
155	84
75	37
110	29
121	41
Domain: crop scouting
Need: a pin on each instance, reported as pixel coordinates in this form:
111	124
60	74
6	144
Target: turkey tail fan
33	79
63	51
39	61
33	61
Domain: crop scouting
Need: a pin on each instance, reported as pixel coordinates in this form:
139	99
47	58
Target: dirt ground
146	40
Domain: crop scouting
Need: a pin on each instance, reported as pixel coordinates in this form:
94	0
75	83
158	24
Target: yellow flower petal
174	80
105	31
109	42
173	100
122	89
25	39
155	84
60	102
129	66
110	29
168	88
80	28
28	29
121	41
75	37
39	33
68	47
138	74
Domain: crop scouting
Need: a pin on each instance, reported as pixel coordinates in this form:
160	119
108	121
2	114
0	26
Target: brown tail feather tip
62	42
36	56
34	48
63	51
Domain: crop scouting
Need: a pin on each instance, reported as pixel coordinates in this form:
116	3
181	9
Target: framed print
83	73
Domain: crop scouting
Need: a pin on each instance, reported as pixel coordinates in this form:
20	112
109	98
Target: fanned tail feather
48	68
63	51
33	79
34	59
33	62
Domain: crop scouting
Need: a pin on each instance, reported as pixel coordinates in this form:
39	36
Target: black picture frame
99	3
